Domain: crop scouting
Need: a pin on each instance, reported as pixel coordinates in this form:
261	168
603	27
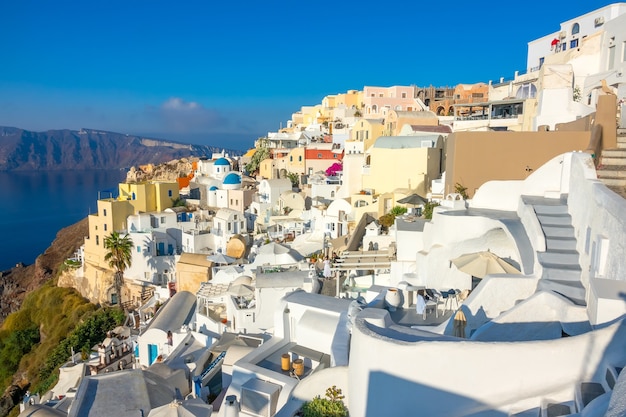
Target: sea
36	205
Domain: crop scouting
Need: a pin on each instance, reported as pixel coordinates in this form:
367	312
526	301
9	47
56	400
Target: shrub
428	210
331	406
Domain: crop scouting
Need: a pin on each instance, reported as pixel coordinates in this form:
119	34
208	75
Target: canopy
123	331
241	290
481	264
413	199
220	259
459	324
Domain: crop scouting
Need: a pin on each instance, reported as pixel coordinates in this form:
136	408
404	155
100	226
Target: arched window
575	29
527	90
374	108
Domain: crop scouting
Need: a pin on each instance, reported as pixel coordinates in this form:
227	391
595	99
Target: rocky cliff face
88	149
17	282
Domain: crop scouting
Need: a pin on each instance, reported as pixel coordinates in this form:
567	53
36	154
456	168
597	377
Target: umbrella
122	331
241	290
481	264
220	259
413	199
459	324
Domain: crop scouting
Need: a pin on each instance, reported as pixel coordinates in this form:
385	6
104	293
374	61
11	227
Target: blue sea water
36	205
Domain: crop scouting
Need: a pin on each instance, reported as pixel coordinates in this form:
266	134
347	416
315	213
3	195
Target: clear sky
227	72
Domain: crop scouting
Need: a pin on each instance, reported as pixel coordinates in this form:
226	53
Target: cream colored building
396	119
403	162
364	134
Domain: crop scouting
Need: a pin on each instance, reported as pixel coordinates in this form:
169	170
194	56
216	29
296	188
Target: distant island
89	149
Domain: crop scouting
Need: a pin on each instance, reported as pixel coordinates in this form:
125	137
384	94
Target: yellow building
295	161
149	196
192	269
111	216
367	131
396	119
403	162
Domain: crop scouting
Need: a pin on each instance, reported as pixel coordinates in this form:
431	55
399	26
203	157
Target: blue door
170	249
161	249
153	352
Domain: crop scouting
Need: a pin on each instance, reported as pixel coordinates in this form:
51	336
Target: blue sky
225	73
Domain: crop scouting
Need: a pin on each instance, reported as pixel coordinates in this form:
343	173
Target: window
381	95
300	158
403	95
291	158
563	46
374	108
541	60
335	155
573	43
169	193
105	227
575	28
97	240
367	134
163	220
138	249
229	226
235	217
104	212
319	155
373	95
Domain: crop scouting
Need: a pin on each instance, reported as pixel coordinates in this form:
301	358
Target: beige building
192	269
473	158
403	162
364	134
378	101
396	119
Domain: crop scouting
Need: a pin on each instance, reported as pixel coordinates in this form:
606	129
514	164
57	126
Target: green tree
428	209
294	178
259	156
398	211
119	250
460	189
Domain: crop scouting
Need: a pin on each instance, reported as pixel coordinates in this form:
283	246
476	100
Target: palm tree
119	249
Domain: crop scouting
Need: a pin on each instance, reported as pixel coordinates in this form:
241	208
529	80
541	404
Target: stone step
587	392
621	144
570	257
574	291
571	273
613	153
558	231
615	171
608	161
550	209
554	220
555	410
614	182
557	243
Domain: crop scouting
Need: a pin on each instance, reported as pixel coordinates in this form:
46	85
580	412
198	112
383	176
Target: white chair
423	307
437	298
